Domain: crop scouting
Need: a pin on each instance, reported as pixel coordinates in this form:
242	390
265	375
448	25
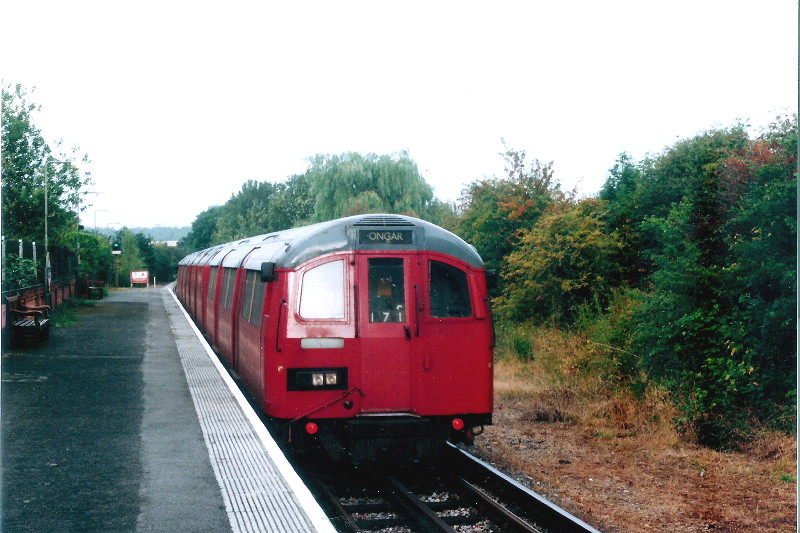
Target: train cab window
387	298
253	298
449	291
322	292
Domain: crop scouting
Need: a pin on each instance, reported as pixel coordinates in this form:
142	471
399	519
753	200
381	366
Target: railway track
461	493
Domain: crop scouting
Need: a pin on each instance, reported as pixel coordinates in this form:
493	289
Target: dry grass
617	462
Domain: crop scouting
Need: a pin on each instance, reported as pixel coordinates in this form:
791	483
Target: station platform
126	421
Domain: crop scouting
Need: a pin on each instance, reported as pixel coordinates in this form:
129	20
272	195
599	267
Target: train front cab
404	340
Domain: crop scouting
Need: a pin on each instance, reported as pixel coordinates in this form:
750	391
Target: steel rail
501	514
541	511
416	509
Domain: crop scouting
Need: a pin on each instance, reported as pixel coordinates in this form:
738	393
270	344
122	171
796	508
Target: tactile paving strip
261	490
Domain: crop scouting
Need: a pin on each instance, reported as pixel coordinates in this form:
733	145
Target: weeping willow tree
352	183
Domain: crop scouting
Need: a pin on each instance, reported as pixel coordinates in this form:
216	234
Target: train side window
247	304
253	298
322	292
228	279
212	282
259	288
387	298
198	287
449	291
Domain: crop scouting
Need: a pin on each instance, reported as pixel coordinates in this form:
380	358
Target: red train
368	336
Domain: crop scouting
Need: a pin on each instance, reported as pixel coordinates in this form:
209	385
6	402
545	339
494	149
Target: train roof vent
383	220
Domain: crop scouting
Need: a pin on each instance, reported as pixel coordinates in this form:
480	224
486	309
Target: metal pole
48	273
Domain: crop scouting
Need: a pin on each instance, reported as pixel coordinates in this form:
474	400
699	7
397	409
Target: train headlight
306	379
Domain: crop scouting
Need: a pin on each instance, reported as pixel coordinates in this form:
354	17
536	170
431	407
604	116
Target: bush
18	272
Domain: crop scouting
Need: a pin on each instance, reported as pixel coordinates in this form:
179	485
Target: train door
385	333
247	359
453	371
222	291
240	279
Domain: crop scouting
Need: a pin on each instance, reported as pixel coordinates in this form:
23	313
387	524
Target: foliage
622	213
139	252
564	261
18	272
351	183
156	233
201	235
95	253
260	207
717	256
163	262
131	258
28	165
333	186
495	212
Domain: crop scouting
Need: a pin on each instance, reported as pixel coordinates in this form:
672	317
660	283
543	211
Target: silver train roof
292	247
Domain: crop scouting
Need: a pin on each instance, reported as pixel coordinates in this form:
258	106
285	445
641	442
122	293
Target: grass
561	378
563	419
66	314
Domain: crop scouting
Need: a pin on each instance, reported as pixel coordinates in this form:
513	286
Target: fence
60	290
62	286
63	260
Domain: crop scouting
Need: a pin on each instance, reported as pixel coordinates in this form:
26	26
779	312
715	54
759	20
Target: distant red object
365	336
140	276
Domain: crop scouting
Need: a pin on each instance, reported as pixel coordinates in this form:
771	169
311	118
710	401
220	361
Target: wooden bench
95	289
27	323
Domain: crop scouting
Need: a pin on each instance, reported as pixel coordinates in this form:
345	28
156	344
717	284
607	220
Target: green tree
201	235
131	257
761	270
718	324
163	265
246	213
27	165
263	207
565	261
494	212
352	183
623	216
95	254
292	204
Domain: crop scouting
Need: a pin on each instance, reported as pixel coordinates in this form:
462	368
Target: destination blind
389	237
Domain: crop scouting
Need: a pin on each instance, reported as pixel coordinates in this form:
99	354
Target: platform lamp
47	268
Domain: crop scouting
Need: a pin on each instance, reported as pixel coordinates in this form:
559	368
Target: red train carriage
369	336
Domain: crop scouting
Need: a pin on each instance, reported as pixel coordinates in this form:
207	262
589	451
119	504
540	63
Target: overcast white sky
178	103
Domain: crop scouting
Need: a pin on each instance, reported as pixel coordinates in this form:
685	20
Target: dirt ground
637	481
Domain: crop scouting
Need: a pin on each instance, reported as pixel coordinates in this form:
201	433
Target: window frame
253	298
394	316
465	285
345	292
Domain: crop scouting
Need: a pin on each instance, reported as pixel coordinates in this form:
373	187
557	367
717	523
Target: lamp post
47	269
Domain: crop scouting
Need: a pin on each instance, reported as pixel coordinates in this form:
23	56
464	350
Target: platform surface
125	422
